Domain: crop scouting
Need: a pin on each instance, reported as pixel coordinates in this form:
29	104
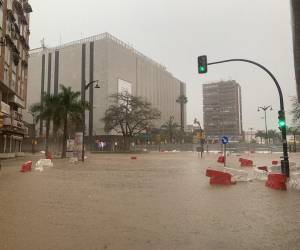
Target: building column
91	96
42	91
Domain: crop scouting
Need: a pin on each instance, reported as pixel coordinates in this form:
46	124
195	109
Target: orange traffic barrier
219	177
26	167
276	181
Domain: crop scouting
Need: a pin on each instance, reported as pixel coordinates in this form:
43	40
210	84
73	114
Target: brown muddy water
159	201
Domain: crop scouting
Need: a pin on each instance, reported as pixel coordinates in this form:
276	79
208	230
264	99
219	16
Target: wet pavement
159	201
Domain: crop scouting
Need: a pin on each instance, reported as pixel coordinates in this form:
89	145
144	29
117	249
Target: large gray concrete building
222	108
295	8
115	64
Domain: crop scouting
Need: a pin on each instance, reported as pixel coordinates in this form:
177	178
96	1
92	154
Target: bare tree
129	115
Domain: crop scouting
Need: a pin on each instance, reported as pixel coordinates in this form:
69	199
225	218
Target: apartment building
222	107
14	47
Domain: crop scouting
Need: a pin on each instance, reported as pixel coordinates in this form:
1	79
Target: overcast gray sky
175	32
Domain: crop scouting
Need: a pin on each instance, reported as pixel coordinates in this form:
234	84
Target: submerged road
159	201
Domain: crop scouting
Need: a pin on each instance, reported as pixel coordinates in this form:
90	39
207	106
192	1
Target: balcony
17	101
5	108
7	121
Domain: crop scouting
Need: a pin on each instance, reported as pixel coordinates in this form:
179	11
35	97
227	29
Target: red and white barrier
219	177
26	167
221	159
238	175
246	163
276	181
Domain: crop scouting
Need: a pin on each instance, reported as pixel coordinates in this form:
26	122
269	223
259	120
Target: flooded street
159	201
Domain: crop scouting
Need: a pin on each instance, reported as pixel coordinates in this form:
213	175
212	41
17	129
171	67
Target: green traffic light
202	69
281	123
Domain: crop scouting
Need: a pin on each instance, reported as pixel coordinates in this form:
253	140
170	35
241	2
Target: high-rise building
295	8
116	65
222	107
14	46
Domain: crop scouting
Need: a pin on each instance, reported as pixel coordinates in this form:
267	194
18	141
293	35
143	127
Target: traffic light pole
285	166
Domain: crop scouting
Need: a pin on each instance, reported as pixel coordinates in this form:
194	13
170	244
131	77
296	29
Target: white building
115	64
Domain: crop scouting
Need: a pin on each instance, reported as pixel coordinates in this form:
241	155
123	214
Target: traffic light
281	120
202	64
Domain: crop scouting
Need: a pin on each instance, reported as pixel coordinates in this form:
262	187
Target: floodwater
159	201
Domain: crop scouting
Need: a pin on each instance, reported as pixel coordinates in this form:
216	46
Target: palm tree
273	134
261	134
63	109
70	108
182	100
46	110
170	127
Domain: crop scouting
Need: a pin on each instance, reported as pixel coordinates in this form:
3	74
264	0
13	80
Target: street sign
225	140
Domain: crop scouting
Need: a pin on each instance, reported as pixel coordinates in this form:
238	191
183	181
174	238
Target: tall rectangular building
14	46
295	10
116	65
222	107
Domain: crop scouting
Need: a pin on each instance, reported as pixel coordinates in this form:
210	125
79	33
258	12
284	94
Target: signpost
225	141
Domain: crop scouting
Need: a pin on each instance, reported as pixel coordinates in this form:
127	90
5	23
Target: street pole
265	109
33	134
83	114
285	168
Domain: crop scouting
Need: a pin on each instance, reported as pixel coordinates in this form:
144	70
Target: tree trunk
47	137
126	142
65	137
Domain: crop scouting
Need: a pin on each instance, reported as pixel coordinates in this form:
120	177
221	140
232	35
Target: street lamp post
265	109
83	113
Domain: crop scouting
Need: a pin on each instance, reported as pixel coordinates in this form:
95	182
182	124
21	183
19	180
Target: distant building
222	107
295	8
116	65
14	42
